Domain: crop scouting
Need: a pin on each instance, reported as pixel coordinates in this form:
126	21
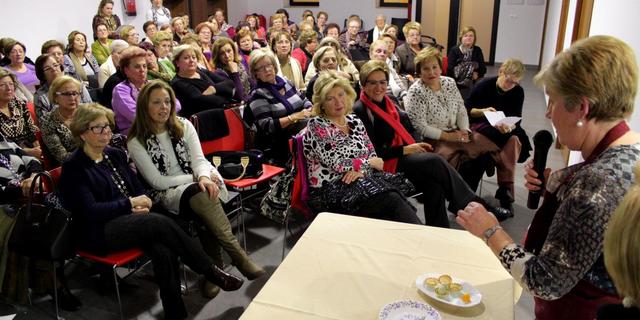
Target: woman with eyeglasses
344	64
56	136
504	94
48	69
407	52
78	62
326	58
16	124
277	108
112	212
393	137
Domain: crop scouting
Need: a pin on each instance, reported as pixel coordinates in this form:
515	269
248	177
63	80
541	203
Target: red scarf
392	118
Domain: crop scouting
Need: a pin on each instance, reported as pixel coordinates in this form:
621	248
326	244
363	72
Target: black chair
400	22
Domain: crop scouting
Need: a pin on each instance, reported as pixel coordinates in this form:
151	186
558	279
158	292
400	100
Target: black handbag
236	165
41	230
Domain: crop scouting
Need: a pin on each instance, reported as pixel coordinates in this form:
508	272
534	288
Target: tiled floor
265	240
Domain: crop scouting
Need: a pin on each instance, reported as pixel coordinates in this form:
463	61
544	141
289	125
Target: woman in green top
101	47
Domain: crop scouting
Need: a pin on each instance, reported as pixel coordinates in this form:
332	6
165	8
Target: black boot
505	197
224	280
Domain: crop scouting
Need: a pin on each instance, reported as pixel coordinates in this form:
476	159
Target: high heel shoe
224	280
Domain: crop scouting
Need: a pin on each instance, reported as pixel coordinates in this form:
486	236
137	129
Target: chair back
300	192
234	141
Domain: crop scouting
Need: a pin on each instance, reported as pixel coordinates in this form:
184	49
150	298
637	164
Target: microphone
542	142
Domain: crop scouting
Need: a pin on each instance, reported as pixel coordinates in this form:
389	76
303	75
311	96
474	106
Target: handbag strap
39	180
244	162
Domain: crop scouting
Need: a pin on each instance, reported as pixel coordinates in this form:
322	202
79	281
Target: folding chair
235	141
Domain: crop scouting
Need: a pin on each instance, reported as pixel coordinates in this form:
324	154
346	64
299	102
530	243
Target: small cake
442	291
445	279
431	283
455	289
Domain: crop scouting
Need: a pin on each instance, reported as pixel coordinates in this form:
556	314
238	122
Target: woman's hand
351	176
140	204
211	90
376	163
505	128
35	152
479	112
300	115
455	136
476	219
475	76
208	186
531	176
25	185
419	147
233	66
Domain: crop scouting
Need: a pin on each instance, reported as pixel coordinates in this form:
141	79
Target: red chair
116	260
235	141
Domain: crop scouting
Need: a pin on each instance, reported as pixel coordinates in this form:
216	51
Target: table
346	267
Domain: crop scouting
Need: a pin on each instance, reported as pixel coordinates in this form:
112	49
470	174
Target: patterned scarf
274	90
165	12
159	159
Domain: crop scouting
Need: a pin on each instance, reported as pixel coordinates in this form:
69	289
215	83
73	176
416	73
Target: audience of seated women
158	13
179	29
54	48
111	212
48	69
504	94
561	262
257	31
64	93
204	30
101	47
344	64
244	42
198	89
78	62
308	42
398	86
326	59
110	67
437	111
338	153
407	52
392	61
228	63
129	34
133	64
391	133
150	29
277	108
24	72
16	124
622	255
216	32
153	68
167	153
218	14
465	62
105	14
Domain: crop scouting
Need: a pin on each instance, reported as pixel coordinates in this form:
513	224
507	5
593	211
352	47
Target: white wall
34	22
338	10
551	32
620	19
520	30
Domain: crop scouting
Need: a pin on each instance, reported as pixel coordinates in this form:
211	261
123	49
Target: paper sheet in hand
498	117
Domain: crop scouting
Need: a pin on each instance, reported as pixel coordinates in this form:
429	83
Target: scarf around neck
274	89
159	158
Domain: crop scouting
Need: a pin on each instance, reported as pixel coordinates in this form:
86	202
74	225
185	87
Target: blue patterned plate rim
408	310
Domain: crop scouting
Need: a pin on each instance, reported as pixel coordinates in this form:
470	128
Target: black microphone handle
539	164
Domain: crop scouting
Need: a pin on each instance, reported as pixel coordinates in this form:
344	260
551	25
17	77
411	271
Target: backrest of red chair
232	142
32	112
300	192
55	176
445	62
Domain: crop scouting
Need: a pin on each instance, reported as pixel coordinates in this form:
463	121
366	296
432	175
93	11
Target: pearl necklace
340	125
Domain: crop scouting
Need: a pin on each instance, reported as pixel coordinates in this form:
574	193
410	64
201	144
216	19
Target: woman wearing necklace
591	88
56	136
111	212
16	124
339	153
48	69
79	63
277	108
167	153
466	62
158	13
133	62
105	14
438	114
502	93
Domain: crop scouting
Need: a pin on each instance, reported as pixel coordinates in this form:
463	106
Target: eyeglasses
100	129
267	67
373	82
55	66
68	93
7	85
509	80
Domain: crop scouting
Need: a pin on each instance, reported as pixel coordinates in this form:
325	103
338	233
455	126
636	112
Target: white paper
498	118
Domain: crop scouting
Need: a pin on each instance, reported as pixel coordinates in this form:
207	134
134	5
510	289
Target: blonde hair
602	69
179	50
427	54
622	244
329	41
513	67
259	54
328	80
464	31
161	36
307	37
124	31
376	43
370	67
84	115
411	25
320	53
58	83
142	126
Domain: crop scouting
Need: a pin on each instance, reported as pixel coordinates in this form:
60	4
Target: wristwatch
490	232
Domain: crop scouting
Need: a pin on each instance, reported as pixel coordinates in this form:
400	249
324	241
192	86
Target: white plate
408	310
476	296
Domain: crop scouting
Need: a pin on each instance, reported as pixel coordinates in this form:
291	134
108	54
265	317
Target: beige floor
265	245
